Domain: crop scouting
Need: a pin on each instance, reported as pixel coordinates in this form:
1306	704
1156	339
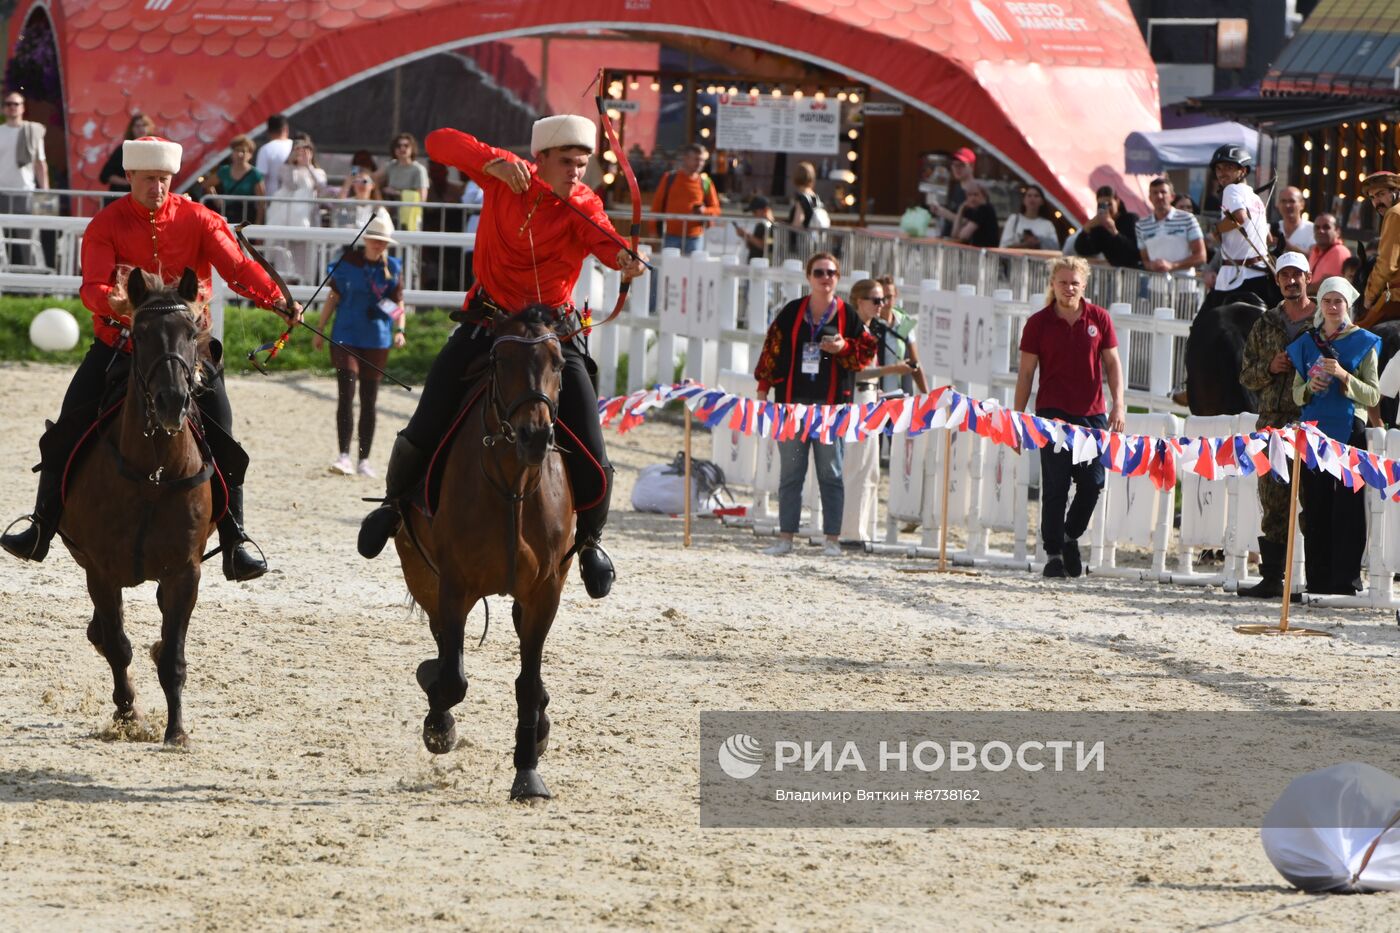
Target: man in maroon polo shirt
1072	343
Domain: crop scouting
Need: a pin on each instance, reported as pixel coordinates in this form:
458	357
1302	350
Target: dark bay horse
504	524
138	506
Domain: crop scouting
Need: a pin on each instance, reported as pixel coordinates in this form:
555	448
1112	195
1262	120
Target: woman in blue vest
366	298
1335	382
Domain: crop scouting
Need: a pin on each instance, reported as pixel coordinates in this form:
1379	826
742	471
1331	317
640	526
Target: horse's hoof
129	714
529	786
177	739
439	733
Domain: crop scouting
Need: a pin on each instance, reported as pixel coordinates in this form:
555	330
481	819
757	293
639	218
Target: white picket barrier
969	340
1205	512
1132	510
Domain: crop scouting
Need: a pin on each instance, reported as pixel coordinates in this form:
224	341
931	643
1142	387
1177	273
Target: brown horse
139	506
503	525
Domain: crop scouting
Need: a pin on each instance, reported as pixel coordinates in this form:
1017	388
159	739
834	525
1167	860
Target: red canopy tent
1049	88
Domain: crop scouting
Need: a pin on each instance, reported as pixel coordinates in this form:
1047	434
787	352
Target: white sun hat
380	227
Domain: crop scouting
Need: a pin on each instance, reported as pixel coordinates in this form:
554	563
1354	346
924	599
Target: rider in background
163	234
529	249
1244	235
1382	299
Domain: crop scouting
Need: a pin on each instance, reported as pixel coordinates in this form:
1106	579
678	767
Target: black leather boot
595	567
33	542
1271	559
407	464
240	564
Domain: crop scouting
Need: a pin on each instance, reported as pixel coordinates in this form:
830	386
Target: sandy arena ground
306	799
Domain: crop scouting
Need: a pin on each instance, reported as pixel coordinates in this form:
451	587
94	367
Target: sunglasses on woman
877	301
824	273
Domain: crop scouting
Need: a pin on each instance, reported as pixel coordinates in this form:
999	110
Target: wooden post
1292	536
1282	627
688	493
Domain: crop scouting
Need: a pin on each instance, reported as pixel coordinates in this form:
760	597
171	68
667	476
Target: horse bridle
143	376
506	432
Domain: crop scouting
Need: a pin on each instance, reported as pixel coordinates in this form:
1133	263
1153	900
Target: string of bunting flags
1262	452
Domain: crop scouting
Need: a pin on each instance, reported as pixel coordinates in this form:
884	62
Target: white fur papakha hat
563	130
151	154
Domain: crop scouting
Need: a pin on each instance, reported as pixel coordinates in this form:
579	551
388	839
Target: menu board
778	124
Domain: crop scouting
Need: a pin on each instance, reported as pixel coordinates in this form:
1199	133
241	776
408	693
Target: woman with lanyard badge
1335	381
366	298
811	354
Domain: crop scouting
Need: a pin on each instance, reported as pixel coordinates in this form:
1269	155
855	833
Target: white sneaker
343	465
781	549
364	469
831	549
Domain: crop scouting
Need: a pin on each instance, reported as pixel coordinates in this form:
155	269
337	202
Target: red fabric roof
1050	88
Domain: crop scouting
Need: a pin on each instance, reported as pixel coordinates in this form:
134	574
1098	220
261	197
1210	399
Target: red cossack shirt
1071	367
180	235
529	247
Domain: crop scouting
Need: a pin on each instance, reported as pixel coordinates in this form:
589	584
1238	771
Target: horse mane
535	314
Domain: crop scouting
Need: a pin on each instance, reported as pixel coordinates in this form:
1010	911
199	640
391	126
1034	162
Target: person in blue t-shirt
366	299
1335	381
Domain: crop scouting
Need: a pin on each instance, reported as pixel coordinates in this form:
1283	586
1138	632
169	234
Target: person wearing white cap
163	234
1335	380
538	223
1266	370
366	299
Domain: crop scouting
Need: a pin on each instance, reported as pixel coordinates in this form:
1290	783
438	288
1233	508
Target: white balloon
53	329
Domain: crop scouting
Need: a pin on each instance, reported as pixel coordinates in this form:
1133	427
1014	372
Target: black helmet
1237	155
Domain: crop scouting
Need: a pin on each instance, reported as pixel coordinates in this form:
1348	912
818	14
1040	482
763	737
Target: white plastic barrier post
765	485
1204	507
959	505
756	303
791	288
735	452
1134	511
670	321
703	309
1242	532
1378	573
1004	494
1160	373
603	342
640	370
733	354
908	468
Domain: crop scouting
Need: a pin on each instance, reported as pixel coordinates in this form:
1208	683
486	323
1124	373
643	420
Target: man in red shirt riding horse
529	248
163	234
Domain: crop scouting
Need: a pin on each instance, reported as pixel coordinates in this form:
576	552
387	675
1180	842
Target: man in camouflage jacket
1267	372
